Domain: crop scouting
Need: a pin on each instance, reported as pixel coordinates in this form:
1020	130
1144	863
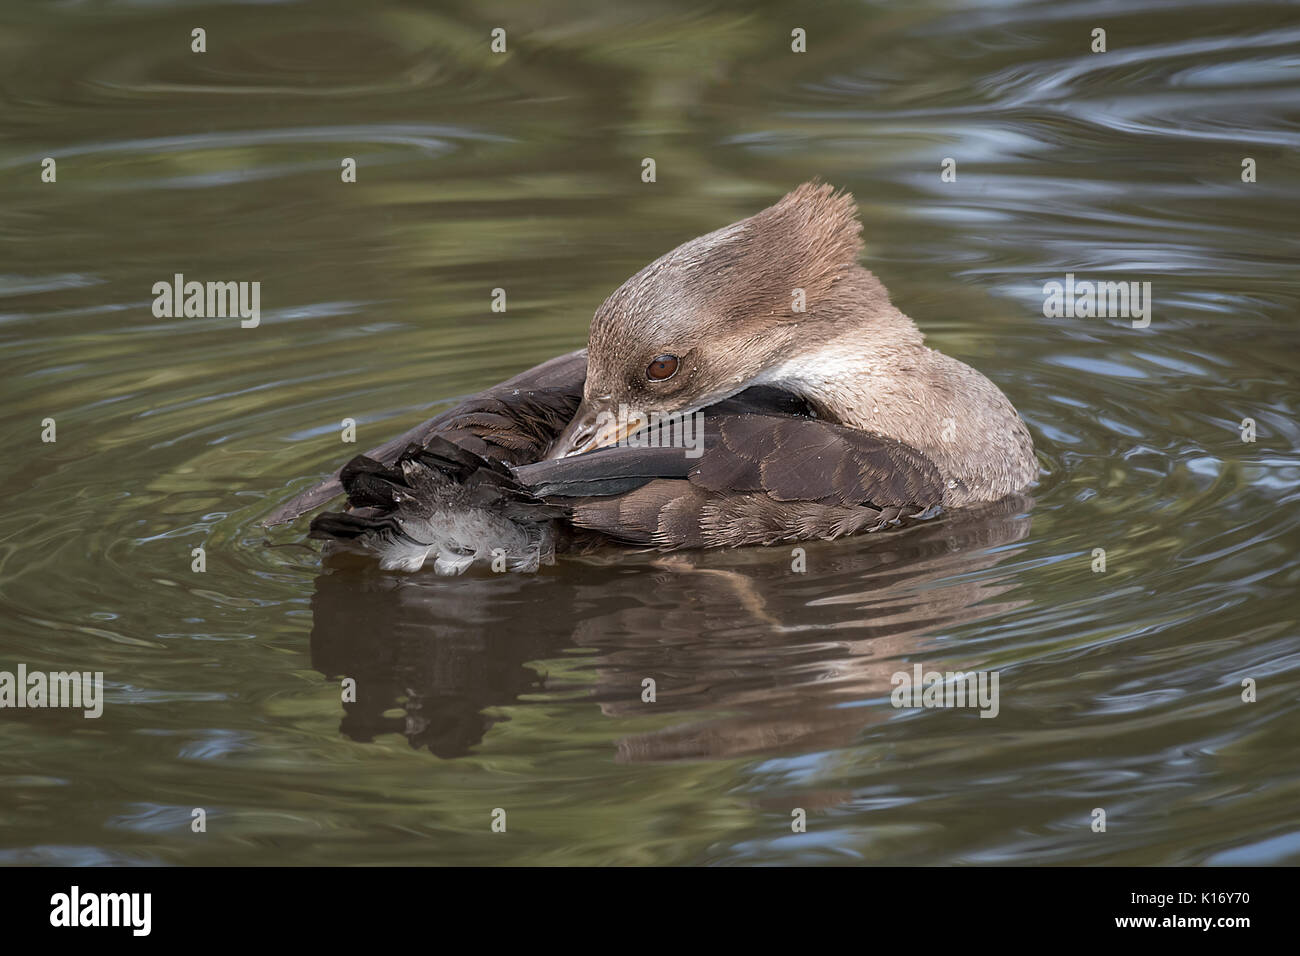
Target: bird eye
663	367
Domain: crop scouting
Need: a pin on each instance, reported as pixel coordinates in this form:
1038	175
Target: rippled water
1120	690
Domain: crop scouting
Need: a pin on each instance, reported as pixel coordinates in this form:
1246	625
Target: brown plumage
513	422
824	415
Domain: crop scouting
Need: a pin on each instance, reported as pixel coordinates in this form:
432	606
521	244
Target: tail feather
372	484
440	502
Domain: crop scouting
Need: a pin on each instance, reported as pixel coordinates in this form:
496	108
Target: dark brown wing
802	459
762	478
511	422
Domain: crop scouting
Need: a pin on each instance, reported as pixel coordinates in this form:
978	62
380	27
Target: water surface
1119	690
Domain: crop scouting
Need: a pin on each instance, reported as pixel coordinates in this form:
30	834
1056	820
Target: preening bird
822	411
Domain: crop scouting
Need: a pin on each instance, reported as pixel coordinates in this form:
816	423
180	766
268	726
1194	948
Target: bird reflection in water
754	657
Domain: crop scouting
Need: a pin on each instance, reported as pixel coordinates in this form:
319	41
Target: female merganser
823	414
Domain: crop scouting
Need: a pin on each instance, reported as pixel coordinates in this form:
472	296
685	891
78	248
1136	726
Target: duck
753	386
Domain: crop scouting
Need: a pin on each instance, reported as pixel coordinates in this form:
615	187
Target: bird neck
855	379
897	387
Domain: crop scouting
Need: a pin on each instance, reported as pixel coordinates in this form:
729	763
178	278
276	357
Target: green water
1120	690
